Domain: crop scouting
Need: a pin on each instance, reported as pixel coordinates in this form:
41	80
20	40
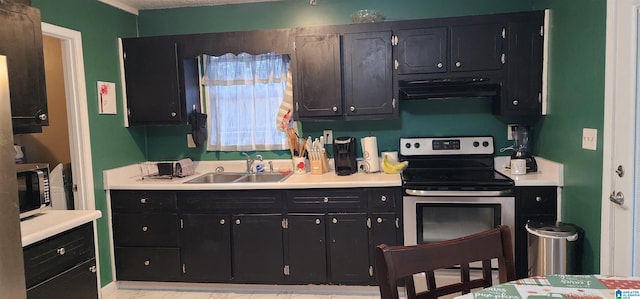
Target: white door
620	140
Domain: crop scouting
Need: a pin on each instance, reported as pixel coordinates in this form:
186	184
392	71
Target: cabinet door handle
383	198
334	220
146	263
222	221
60	251
335	108
538	198
143	200
145	228
317	220
458	64
326	199
439	65
379	220
173	114
42	117
237	221
93	269
352	108
515	102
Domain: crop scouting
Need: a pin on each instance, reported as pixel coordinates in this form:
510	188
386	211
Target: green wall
576	101
575	27
112	145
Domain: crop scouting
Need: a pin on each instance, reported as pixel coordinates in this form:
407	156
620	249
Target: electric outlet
589	138
510	129
190	142
328	136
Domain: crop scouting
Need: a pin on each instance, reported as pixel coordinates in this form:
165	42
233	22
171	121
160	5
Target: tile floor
147	294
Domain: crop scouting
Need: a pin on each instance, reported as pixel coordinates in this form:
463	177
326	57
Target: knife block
320	164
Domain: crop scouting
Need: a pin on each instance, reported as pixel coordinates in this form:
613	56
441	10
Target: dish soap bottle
19	157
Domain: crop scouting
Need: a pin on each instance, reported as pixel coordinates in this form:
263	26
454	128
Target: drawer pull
334	220
317	220
222	221
60	251
383	198
93	269
538	198
146	263
326	199
143	200
144	228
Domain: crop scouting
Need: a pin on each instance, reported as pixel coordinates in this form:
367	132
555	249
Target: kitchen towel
285	113
370	154
184	168
198	127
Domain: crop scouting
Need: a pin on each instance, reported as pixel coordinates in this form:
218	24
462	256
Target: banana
391	167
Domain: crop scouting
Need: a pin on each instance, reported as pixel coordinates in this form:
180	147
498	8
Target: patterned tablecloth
564	286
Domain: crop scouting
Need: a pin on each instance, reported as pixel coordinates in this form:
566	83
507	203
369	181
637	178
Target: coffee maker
521	148
344	155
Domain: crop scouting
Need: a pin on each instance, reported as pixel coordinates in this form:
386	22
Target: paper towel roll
370	154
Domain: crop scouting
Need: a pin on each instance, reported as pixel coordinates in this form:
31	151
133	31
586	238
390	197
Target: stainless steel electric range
451	188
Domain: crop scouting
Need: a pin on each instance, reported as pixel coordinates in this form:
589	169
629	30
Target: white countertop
549	173
128	177
53	222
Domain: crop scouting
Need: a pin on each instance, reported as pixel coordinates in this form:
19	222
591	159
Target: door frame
77	111
611	261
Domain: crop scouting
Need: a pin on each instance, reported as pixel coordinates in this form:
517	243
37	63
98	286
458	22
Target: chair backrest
395	263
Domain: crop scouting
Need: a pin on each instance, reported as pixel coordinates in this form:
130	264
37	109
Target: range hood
443	88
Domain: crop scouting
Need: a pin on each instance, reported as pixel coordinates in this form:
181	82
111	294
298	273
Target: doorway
77	123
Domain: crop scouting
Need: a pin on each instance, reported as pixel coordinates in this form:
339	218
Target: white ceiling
134	6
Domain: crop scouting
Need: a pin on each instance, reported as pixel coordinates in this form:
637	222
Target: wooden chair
394	263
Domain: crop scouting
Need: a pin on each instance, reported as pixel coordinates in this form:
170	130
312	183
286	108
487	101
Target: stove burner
463	167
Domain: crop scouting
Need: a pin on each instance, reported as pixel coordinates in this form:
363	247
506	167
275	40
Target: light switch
589	138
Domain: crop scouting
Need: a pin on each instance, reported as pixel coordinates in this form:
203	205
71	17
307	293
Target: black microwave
33	188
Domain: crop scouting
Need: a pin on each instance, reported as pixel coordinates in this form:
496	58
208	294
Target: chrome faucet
251	160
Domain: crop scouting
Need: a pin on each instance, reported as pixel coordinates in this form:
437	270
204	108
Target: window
243	94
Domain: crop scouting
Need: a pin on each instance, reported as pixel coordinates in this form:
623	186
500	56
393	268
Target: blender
521	148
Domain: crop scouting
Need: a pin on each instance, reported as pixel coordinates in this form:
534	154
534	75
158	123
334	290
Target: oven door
436	218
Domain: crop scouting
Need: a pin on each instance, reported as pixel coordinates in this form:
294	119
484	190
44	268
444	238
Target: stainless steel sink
262	178
214	177
234	177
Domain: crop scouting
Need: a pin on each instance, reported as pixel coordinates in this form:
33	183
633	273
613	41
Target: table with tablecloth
564	286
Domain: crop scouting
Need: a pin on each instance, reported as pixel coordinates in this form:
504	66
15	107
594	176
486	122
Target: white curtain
243	94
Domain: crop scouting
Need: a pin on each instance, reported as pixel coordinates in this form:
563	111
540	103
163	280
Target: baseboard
240	288
108	290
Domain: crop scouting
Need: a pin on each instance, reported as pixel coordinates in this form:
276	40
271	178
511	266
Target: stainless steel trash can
552	248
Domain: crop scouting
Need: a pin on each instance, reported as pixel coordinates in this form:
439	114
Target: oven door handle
413	192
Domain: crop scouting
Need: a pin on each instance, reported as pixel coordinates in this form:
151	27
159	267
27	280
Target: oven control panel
431	146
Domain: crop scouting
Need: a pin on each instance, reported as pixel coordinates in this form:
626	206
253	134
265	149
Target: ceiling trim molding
120	5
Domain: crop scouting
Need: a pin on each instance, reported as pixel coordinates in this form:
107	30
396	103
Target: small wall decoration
106	97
